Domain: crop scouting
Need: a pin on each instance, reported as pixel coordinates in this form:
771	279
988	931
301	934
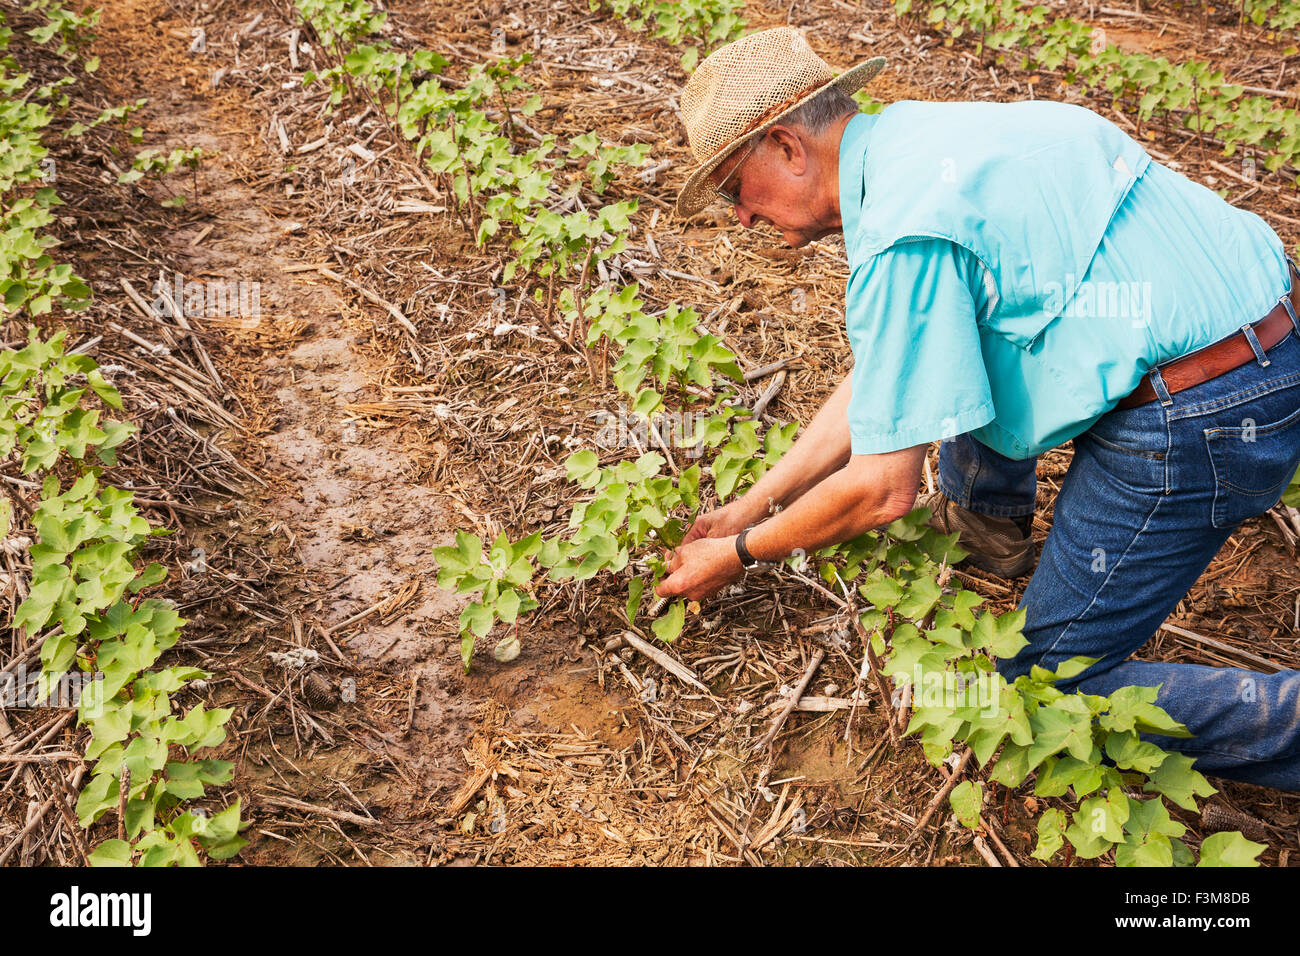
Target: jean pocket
1132	448
1252	465
1141	432
1137	449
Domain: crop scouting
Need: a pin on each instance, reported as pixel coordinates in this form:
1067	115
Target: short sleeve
918	372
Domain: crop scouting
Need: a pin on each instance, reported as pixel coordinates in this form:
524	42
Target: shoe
1001	546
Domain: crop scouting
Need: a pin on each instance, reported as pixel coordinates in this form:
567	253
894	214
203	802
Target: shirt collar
853	152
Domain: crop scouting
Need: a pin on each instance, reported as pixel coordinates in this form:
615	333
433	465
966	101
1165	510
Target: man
1021	275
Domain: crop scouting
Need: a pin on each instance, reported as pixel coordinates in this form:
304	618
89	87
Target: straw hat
746	87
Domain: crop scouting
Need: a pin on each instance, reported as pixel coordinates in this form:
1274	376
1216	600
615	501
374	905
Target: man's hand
720	522
700	569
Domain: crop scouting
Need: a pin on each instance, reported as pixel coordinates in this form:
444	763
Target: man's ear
792	150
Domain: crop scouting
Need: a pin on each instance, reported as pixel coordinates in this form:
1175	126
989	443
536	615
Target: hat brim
698	192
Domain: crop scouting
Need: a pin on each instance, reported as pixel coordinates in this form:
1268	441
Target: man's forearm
821	450
848	503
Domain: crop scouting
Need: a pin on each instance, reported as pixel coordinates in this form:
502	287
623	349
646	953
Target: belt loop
1161	390
1249	332
1286	299
1290	310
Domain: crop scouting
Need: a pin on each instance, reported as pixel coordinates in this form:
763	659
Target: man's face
775	185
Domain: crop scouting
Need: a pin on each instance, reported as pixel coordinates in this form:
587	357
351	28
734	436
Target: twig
40	758
391	309
941	795
1288	536
983	850
179	315
34	819
1220	645
123	793
65	799
410	704
769	393
754	374
811	669
997	841
343	816
667	662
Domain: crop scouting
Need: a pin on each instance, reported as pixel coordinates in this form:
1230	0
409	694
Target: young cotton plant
631	509
635	509
382	74
341	23
709	23
1192	93
551	244
69	29
634	513
30	280
605	160
667	348
42	415
501	578
934	643
85	598
739	462
156	164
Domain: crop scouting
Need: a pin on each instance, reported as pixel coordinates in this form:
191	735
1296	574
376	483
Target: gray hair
823	109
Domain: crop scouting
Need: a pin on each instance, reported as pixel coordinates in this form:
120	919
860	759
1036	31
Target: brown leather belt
1223	356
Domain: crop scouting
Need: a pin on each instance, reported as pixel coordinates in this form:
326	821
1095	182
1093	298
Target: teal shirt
939	352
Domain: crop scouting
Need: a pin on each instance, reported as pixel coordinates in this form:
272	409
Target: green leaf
1051	834
1130	752
1176	779
634	589
150	576
669	624
1149	828
1012	766
966	799
1058	728
921	596
98	797
1134	708
1074	667
882	591
1230	849
477	618
1059	774
111	853
1104	816
581	467
1000	635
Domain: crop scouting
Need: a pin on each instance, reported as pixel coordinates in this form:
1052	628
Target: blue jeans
1151	496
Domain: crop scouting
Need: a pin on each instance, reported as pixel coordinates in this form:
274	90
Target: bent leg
979	479
1131	536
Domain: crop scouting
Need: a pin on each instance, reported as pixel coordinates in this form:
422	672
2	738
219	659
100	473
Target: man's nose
745	216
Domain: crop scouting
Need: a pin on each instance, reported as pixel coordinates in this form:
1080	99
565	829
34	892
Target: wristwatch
746	559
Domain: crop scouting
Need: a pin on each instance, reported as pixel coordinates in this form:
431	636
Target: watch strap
746	559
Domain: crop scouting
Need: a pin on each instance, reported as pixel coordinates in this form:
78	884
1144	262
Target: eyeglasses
733	197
